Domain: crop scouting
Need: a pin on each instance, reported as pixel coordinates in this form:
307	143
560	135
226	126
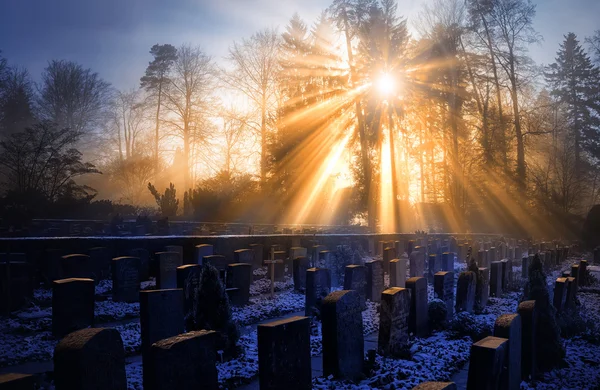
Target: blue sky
113	36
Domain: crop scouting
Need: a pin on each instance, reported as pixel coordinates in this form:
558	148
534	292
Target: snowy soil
264	307
263	286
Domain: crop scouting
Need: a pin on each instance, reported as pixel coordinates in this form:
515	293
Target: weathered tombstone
583	273
434	265
375	280
393	321
14	381
204	250
508	326
185	361
575	273
316	249
525	267
448	261
485	288
167	269
465	292
380	247
77	266
571	293
100	258
328	261
506	267
239	276
410	246
284	354
355	278
279	267
560	294
436	386
496	279
417	263
126	279
398	272
400	247
493	254
443	287
389	254
529	320
297	251
161	317
90	359
175	248
318	286
259	255
418	321
144	257
343	342
188	280
486	362
72	305
300	265
243	256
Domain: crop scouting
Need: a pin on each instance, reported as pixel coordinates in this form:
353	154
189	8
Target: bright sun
386	85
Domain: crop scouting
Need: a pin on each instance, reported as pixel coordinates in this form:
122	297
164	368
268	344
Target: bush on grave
551	352
438	312
478	308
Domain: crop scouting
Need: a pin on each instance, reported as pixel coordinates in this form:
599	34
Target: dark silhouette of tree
167	202
16	100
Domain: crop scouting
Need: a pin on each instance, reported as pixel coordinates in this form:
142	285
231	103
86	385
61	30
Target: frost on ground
263	286
261	308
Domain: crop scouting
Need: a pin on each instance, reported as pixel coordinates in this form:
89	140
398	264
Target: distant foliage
437	314
167	202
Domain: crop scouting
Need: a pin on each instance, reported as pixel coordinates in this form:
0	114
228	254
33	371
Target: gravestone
418	320
188	280
492	255
571	293
239	276
243	256
375	280
126	279
448	261
582	273
284	354
560	294
167	269
16	284
434	266
217	261
443	287
297	251
508	326
400	247
316	249
525	267
485	288
496	279
90	359
506	267
410	246
72	305
465	292
17	382
482	259
144	257
381	245
77	266
185	361
575	273
343	341
398	272
417	263
393	321
259	255
203	250
177	249
161	317
529	320
328	261
355	278
486	362
389	254
436	386
100	258
318	286
300	265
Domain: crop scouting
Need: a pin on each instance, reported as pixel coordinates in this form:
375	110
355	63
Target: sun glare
386	85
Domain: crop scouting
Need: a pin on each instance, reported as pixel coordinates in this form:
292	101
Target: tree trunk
156	133
521	174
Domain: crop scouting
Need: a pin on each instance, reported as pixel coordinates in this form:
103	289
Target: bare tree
129	119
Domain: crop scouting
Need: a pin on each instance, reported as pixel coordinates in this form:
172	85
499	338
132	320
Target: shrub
571	324
438	312
465	324
478	307
168	201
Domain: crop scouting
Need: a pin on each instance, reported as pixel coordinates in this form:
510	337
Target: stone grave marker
258	250
417	263
482	259
280	266
343	341
316	249
318	286
493	254
400	247
188	280
496	279
328	261
284	354
239	276
144	257
575	273
529	320
571	292
448	261
436	386
506	267
72	305
126	279
393	321
443	287
167	269
243	256
220	262
560	294
418	320
100	258
465	292
485	288
525	267
389	254
298	251
77	266
300	265
355	278
486	362
434	265
90	359
398	272
203	250
375	280
582	273
16	283
410	246
185	361
508	326
175	248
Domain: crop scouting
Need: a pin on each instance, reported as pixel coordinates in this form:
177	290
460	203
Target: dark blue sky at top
113	36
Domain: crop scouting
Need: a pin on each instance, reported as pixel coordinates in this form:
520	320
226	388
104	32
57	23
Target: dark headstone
295	252
393	321
417	263
202	251
90	359
583	273
355	278
167	269
434	266
525	267
485	287
280	267
17	382
560	294
239	276
188	280
126	279
418	321
161	317
375	280
318	286
175	248
284	354
100	258
496	279
448	261
506	267
486	362
529	320
72	305
185	361
508	326
300	265
144	257
571	293
16	284
77	266
343	342
259	256
443	287
465	292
